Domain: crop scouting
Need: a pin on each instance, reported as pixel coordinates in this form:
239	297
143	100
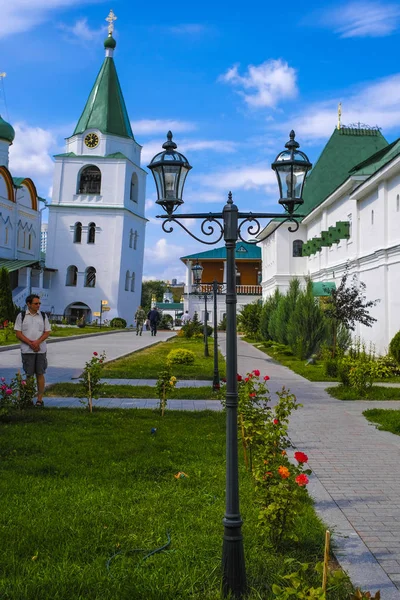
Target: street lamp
197	271
170	169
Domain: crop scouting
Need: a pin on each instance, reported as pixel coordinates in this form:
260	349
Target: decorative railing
244	290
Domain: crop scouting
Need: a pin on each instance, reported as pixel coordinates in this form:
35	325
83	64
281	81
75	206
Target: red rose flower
246	379
239	377
223	379
301	479
95	354
9	392
301	457
276	422
266	377
253	395
256	372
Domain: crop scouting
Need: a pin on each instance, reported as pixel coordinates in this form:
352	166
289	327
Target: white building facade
355	226
96	229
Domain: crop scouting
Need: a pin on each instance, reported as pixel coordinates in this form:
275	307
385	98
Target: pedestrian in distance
185	318
140	316
154	318
32	328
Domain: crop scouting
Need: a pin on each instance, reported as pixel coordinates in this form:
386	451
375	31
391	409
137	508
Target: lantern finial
169	144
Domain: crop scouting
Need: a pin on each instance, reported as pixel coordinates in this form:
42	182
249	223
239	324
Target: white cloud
267	83
161	261
152	126
246	178
81	31
376	103
150	149
363	19
30	154
22	15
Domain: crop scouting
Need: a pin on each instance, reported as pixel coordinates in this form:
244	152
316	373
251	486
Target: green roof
323	288
14	265
6	131
18	181
346	148
170	305
377	160
243	251
105	109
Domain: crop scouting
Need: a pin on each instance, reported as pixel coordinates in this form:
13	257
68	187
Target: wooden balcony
243	290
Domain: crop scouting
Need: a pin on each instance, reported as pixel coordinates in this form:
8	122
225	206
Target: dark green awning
14	265
323	288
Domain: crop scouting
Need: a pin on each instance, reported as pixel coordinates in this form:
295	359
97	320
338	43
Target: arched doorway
77	310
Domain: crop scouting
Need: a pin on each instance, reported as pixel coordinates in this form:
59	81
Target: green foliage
193	328
249	319
18	394
165	384
118	322
267	311
7	307
331	367
394	347
307	327
90	380
222	324
166	322
284	310
296	585
181	356
150	289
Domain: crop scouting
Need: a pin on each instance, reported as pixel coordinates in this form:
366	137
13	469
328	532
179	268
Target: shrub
166	322
193	328
180	356
331	367
249	319
394	347
344	366
90	379
222	324
118	322
165	384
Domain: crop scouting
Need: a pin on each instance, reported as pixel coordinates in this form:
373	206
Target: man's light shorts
34	364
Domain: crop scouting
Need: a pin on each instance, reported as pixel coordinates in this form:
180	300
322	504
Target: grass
285	357
374	392
388	420
60	332
86	497
147	363
69	390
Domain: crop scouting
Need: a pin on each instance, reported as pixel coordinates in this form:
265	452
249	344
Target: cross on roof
111	18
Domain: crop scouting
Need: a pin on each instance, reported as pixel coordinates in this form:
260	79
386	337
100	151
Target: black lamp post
197	271
170	169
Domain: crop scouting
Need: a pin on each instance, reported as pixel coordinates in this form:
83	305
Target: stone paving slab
356	473
191	405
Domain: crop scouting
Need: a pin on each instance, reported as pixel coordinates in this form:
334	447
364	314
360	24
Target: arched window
130	238
91	233
134	188
90	180
133	282
90	277
127	277
298	248
77	233
135	237
72	275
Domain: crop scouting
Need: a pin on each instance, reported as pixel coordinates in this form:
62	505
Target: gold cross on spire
111	18
339	111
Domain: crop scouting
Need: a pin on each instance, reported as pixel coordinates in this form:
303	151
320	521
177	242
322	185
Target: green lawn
387	419
68	390
85	499
285	357
147	363
373	393
60	332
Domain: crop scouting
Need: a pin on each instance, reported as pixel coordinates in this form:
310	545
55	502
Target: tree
249	319
267	311
7	307
150	289
347	305
307	327
285	310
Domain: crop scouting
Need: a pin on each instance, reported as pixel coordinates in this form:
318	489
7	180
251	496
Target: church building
96	229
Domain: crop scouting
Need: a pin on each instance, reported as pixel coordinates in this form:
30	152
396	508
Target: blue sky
229	79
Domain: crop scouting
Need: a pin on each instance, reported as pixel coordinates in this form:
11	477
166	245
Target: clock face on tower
91	140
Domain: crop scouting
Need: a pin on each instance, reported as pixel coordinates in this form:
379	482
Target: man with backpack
32	328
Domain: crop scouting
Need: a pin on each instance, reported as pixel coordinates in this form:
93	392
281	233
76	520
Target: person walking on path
140	316
32	328
185	318
154	318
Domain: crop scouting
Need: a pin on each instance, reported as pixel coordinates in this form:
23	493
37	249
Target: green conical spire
105	109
